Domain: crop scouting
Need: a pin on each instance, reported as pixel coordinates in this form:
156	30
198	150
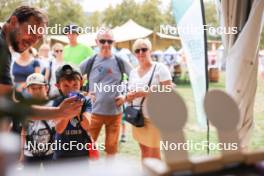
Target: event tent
241	52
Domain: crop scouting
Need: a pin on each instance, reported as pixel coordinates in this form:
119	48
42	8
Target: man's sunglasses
58	51
110	42
143	50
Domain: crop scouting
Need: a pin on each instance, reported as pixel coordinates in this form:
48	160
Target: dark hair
23	13
67	72
70	77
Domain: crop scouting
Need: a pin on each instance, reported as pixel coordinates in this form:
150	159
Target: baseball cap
71	28
67	71
36	78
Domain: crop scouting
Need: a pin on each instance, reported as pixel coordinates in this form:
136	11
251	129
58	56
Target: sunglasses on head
58	51
102	41
143	50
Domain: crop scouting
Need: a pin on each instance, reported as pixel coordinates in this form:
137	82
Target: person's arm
68	108
5	89
86	120
165	81
86	115
133	95
83	66
128	67
61	125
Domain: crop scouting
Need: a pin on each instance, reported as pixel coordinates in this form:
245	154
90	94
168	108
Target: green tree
64	12
211	18
168	15
150	15
95	19
147	13
60	12
128	9
211	14
7	7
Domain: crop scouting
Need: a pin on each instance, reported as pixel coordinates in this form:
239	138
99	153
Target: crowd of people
65	77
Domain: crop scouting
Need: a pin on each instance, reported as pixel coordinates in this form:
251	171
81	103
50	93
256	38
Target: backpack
89	67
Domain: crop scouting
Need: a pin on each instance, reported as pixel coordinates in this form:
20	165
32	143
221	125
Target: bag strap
149	83
49	78
47	126
121	67
90	63
50	131
88	70
50	67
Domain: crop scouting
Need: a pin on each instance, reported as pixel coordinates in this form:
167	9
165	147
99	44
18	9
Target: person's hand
70	107
131	96
120	100
86	122
92	96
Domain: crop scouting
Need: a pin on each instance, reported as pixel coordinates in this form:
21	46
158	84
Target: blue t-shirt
73	133
21	73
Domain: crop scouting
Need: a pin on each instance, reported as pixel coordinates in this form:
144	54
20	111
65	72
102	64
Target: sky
100	5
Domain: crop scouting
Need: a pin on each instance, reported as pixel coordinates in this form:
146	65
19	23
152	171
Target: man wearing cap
106	70
75	53
15	34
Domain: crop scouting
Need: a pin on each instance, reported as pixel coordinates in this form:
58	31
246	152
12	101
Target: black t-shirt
5	61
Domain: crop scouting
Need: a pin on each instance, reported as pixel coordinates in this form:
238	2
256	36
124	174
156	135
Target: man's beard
13	41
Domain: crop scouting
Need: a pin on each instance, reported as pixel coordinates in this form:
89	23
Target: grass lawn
195	133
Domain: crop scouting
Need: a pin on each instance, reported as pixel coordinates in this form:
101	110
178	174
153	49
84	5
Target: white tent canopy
170	51
165	36
241	57
125	51
157	52
130	31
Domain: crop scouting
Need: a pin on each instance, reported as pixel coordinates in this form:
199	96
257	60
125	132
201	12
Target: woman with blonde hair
147	72
56	61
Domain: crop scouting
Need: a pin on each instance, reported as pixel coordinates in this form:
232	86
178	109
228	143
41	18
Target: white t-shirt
136	82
